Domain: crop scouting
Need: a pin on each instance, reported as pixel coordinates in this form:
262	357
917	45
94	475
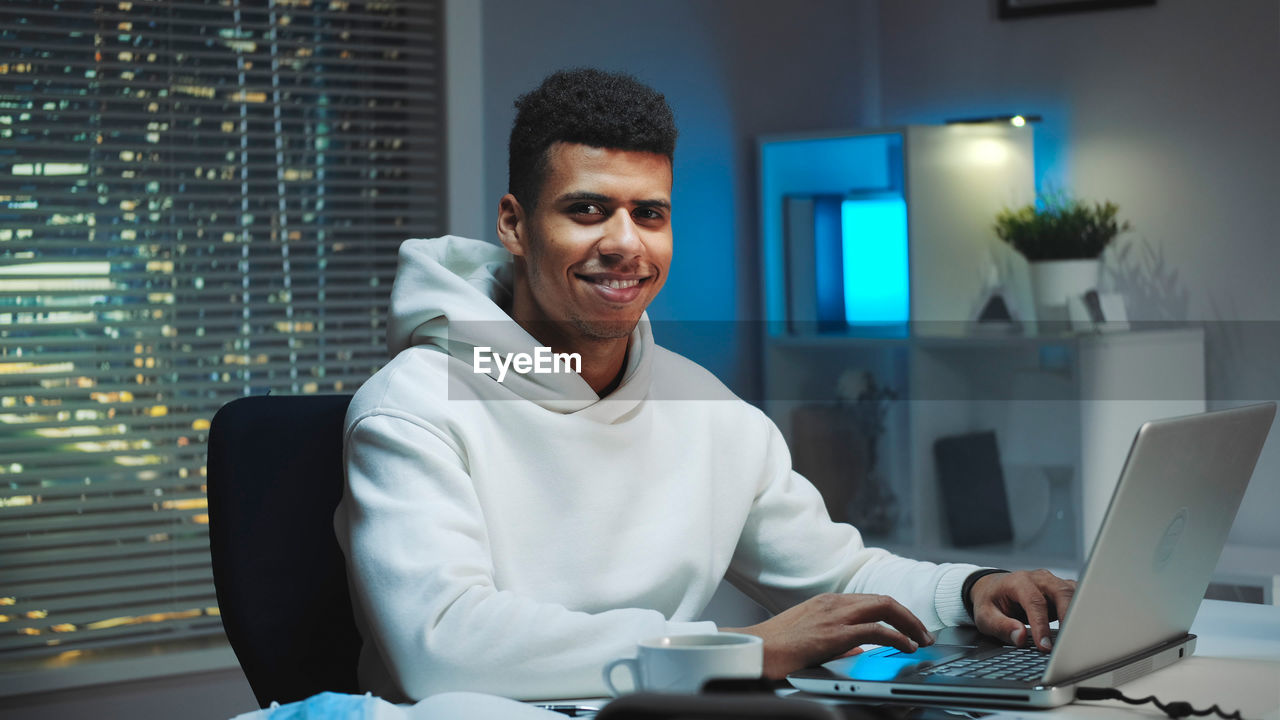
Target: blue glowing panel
877	282
812	167
828	246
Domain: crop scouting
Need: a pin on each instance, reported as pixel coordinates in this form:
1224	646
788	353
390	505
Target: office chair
275	477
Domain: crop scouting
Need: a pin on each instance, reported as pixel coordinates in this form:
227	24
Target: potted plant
1062	239
866	404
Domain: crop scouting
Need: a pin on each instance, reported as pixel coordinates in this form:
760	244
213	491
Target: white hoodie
514	537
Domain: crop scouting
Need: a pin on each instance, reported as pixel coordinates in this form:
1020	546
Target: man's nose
621	236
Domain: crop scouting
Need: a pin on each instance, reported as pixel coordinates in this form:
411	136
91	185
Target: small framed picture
1013	9
1099	312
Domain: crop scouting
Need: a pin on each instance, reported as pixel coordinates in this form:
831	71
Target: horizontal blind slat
83	573
18	647
49	507
191	596
64	525
64	540
156	637
103	553
345	374
94	9
110	603
155	577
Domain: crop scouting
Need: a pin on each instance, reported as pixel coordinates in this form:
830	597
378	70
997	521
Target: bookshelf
1063	404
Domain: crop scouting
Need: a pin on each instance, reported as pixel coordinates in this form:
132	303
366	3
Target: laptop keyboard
1019	665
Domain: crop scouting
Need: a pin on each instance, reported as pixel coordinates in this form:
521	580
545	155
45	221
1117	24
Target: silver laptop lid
1162	535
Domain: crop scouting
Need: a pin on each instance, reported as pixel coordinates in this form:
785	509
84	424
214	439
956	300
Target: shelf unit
1064	405
1064	408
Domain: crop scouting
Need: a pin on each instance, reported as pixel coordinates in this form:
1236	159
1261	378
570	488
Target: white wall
1171	111
464	105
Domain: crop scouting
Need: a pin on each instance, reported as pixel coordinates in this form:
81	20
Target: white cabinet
1064	408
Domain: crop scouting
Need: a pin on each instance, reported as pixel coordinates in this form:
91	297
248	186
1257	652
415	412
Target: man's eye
648	213
587	209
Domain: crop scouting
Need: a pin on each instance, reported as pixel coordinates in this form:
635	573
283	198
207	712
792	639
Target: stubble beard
603	329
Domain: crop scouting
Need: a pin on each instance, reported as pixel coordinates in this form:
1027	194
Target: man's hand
832	625
1005	603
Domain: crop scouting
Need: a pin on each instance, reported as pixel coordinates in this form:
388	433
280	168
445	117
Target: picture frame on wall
1015	9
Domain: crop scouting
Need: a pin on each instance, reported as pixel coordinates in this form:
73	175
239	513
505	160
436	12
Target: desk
1236	665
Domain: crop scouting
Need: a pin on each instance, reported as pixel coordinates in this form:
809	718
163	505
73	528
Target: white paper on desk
473	706
445	706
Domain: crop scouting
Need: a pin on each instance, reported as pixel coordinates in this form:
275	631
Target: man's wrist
966	590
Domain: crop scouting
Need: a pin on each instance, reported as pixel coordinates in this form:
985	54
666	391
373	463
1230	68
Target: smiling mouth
614	282
619	284
616	290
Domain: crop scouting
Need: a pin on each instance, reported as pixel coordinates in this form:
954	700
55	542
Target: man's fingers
1041	598
882	608
996	624
1036	608
881	635
856	650
1004	605
1062	598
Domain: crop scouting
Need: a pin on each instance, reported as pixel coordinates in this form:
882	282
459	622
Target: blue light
877	282
818	167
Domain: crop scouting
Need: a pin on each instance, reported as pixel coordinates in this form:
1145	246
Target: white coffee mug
682	663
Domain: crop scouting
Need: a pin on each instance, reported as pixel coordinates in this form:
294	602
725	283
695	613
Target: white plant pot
1054	282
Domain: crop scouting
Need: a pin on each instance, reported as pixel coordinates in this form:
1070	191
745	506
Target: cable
1174	709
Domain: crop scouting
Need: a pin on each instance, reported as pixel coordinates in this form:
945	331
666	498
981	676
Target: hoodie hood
452	294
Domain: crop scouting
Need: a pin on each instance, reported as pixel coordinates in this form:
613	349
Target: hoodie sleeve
791	550
422	578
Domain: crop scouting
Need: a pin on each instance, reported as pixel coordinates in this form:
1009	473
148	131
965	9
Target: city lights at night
198	201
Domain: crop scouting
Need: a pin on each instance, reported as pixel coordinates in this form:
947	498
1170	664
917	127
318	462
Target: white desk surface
1236	665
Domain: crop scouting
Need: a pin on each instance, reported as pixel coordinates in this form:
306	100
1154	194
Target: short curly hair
587	106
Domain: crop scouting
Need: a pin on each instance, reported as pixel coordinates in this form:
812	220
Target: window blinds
199	200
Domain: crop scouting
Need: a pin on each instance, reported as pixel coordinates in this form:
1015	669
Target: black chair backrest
275	477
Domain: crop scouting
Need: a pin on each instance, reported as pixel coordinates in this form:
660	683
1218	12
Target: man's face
598	244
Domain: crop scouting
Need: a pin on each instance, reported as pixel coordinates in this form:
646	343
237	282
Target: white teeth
619	284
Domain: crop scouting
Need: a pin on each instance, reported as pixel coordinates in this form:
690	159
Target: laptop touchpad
935	654
887	663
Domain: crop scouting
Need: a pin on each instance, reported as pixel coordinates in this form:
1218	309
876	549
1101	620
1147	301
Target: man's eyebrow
584	196
664	204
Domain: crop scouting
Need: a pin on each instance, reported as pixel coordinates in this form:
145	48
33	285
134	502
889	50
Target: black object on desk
973	493
570	710
656	706
768	706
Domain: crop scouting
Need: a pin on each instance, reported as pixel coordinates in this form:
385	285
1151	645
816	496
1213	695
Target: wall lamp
1014	120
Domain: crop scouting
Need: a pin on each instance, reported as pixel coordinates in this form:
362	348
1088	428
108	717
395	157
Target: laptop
1141	587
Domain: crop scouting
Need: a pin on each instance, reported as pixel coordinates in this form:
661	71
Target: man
510	531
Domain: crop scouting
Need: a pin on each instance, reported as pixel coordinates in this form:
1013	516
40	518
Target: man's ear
512	225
